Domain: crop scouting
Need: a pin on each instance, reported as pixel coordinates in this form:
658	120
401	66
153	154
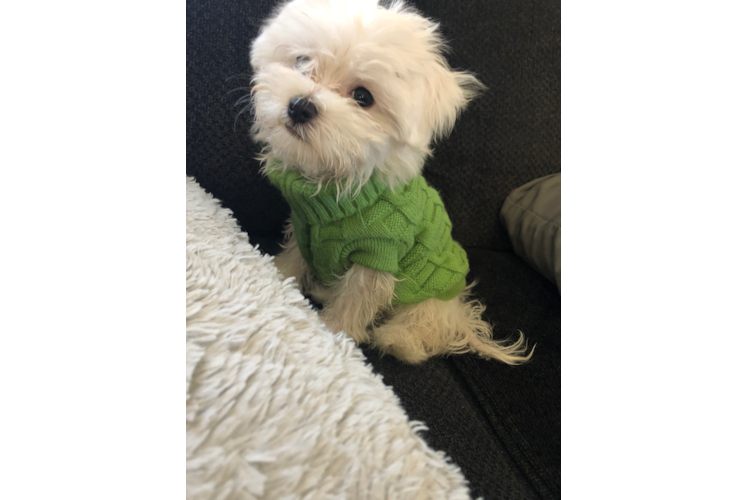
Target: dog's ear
446	94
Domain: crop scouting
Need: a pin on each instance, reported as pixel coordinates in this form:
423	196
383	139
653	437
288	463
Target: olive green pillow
532	216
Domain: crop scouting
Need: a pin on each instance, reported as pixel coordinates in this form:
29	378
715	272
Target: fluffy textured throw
277	406
405	232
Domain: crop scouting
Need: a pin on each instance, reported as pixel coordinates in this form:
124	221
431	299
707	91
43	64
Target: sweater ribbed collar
320	205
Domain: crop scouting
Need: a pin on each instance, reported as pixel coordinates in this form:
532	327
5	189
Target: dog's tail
478	335
510	353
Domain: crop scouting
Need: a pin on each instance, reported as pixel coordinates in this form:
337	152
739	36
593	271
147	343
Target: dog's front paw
291	264
337	323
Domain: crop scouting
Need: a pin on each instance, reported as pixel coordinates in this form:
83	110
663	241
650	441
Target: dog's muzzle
301	110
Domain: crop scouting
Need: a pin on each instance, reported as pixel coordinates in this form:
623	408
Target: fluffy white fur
322	50
277	406
393	52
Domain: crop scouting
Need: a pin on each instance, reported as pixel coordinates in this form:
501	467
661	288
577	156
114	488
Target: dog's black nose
301	110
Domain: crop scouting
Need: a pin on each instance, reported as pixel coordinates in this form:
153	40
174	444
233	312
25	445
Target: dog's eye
363	97
301	60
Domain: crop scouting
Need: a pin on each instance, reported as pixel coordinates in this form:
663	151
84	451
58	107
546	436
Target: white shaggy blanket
277	406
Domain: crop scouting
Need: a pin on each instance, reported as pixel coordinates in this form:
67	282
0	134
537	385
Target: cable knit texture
405	232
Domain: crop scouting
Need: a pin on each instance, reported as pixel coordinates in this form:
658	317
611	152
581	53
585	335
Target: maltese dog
348	96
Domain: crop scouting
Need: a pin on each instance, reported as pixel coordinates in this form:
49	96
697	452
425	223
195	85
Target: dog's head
344	88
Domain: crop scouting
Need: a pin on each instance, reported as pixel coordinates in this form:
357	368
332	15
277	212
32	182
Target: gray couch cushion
532	216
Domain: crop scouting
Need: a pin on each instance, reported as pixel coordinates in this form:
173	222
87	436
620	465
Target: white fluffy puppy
348	96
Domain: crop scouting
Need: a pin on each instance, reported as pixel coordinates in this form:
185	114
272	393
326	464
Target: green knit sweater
406	233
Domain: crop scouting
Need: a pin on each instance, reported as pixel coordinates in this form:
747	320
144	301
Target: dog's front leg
290	262
355	300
